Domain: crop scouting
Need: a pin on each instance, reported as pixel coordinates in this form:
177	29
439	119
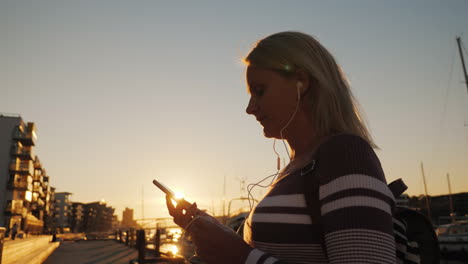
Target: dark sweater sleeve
355	201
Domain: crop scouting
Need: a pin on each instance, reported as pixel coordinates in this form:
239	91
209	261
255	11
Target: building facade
50	218
63	211
127	218
38	208
17	142
98	217
77	220
24	183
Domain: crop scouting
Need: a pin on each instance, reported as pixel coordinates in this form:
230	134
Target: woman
331	204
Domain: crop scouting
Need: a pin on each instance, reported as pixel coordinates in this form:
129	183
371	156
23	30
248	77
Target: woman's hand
184	212
216	243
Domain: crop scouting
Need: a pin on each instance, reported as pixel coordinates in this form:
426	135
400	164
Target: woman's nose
251	107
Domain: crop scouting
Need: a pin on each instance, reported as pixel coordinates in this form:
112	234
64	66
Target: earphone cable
287	124
253	185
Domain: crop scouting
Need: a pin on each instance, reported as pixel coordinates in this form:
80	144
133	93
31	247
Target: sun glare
174	249
179	195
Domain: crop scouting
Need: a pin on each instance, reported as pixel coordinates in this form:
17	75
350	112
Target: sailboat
453	237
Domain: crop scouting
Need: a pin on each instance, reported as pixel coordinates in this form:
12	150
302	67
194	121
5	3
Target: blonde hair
333	106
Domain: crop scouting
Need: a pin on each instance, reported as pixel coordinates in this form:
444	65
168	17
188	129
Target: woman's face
273	99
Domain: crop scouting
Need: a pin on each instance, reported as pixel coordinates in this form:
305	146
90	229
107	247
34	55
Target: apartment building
63	211
17	141
40	193
50	219
98	217
127	218
25	193
77	221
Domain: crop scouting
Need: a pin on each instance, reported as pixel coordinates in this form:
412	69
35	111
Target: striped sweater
348	219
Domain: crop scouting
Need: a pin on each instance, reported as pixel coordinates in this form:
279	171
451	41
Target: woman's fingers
192	210
170	206
182	212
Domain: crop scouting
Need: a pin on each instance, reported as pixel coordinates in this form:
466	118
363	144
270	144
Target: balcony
18	185
38	204
38	189
14	207
37	163
19	182
22	152
27	137
41	203
44	185
38	178
22	166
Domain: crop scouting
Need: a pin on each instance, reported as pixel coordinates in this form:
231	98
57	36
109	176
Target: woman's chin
268	134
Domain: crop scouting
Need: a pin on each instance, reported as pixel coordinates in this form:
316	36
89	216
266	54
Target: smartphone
170	193
165	189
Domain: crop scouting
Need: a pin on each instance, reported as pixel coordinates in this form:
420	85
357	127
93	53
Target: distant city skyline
124	92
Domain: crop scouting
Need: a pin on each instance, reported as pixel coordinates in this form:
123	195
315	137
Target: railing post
141	245
127	235
132	237
157	242
2	238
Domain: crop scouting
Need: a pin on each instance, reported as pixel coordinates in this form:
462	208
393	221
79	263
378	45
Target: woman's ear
304	79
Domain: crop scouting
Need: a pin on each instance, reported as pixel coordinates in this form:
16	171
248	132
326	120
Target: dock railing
148	243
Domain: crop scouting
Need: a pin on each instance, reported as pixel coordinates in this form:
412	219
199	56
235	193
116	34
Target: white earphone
299	86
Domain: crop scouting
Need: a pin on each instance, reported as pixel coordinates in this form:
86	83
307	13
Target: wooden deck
92	252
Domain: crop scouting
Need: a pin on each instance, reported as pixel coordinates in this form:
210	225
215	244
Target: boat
453	238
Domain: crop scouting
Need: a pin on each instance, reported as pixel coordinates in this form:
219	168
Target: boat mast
463	62
452	215
224	200
427	198
142	202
